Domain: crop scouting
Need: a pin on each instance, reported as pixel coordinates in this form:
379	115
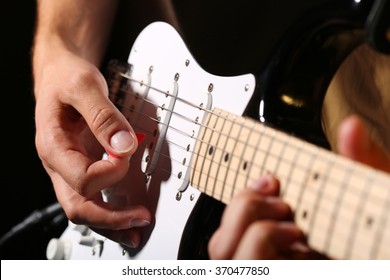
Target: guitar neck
342	206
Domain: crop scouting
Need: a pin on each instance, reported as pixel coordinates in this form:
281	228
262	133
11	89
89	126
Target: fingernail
262	185
139	223
122	141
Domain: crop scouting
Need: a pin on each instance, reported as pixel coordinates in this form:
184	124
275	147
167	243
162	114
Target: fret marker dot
304	214
316	176
245	166
211	150
369	221
226	157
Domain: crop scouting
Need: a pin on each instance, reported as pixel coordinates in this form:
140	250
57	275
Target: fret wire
208	147
384	222
280	157
329	211
211	112
230	162
240	156
184	118
284	142
304	188
362	203
288	178
222	151
336	208
228	166
175	128
202	142
162	92
318	197
384	218
264	131
251	132
267	153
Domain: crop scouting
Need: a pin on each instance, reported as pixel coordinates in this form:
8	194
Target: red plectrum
140	137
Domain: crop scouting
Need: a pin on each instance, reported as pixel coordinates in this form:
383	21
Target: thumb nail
122	141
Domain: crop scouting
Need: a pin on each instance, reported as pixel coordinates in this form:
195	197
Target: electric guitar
201	147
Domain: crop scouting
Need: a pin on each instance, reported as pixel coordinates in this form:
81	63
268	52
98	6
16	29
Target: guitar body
276	72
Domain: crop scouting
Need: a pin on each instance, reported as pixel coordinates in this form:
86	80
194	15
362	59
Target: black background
24	184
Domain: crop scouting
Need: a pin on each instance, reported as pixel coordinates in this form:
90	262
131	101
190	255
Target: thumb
106	122
355	143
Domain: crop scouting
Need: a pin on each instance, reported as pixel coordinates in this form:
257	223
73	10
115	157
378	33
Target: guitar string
187	119
238	171
259	149
156	106
264	131
195	106
319	227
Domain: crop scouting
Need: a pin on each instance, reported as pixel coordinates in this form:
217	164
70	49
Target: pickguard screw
177	76
178	196
211	87
192	197
187	62
246	87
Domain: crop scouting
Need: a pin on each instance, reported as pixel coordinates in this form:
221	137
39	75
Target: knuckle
74	214
81	186
248	201
85	80
263	229
216	252
103	119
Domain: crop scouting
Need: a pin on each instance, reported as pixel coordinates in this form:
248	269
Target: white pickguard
161	62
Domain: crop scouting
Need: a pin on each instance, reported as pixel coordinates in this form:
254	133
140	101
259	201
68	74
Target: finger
107	123
355	143
266	185
244	209
96	213
131	238
267	240
87	177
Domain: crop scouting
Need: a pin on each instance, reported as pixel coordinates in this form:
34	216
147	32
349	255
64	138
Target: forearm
78	26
